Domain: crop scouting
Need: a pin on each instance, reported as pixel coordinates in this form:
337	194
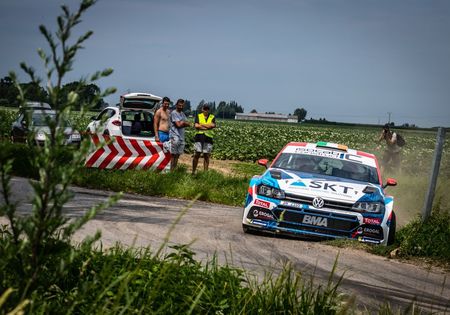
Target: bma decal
330	187
309	219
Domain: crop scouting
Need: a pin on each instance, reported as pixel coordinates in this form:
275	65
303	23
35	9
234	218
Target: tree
300	113
86	94
32	91
187	107
253	111
8	92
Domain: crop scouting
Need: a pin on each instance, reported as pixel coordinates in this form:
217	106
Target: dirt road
144	221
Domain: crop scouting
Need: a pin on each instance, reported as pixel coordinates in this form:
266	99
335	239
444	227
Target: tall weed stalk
35	249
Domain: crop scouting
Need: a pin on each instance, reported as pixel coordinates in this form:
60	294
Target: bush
429	239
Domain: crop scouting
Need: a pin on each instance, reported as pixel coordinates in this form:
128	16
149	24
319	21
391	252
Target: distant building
267	117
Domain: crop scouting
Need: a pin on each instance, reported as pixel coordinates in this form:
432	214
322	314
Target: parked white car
34	118
132	118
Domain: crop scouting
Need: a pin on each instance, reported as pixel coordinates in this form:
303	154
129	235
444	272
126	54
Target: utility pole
389	119
426	211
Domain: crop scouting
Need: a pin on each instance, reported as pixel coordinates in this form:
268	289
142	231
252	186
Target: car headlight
270	192
41	136
374	207
76	136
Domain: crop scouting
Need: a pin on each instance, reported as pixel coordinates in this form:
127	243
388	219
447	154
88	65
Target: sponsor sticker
371	231
292	204
316	152
262	203
313	220
258	214
372	221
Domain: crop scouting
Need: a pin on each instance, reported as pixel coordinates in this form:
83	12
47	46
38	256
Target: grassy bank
209	186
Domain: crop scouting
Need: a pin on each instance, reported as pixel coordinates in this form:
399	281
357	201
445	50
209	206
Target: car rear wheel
391	235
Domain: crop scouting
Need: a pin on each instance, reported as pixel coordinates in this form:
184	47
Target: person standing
161	122
205	122
178	123
393	149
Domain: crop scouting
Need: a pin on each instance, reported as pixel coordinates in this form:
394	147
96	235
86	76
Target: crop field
250	141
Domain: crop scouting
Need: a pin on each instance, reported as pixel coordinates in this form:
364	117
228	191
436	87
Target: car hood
326	187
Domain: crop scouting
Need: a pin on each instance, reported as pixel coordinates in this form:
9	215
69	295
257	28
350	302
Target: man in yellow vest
203	141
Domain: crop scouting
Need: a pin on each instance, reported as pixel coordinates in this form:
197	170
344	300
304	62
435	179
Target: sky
363	61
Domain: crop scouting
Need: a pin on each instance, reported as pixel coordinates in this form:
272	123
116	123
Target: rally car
321	190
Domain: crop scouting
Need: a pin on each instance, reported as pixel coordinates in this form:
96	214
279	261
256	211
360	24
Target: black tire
245	228
392	227
106	132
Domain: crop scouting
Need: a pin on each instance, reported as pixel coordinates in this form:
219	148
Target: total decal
262	203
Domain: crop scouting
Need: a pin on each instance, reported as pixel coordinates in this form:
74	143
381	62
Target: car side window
103	115
111	113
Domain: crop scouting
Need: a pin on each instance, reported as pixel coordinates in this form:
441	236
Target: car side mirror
263	162
390	182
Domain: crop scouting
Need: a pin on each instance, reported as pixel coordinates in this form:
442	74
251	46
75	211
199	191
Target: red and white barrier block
119	153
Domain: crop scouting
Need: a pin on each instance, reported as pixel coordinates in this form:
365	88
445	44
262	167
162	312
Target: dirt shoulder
223	166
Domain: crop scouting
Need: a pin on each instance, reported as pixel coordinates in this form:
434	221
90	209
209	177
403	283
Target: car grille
328	203
336	223
307	219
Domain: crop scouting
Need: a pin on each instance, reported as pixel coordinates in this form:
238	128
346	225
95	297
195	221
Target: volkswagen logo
318	202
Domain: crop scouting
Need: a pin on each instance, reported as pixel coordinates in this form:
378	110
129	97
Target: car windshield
39	119
327	166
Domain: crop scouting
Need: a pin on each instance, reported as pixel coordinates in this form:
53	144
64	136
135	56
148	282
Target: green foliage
36	247
250	141
9	93
227	110
7	116
427	239
300	113
138	281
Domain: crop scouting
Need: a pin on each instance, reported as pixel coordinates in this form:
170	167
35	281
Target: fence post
426	211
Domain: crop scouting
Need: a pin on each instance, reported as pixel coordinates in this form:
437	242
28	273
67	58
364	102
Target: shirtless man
161	123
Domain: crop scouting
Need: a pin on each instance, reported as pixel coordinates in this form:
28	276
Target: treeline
222	110
34	92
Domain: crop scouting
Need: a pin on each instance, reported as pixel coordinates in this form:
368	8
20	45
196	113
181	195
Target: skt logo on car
328	186
309	219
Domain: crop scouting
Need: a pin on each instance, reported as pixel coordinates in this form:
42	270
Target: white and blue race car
322	190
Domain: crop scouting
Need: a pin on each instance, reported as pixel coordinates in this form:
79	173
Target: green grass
137	281
209	186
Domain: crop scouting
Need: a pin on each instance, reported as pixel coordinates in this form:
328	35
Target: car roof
43	111
332	149
142	96
36	105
